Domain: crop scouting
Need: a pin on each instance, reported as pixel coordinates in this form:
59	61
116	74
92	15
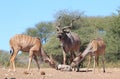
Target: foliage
87	27
53	48
31	32
43	30
67	16
4	58
112	38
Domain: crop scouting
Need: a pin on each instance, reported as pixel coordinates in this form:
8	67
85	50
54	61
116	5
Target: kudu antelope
70	42
95	48
29	44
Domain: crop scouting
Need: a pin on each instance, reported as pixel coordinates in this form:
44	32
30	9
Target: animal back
24	41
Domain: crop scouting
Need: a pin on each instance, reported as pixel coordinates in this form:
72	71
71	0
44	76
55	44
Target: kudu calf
95	48
29	44
70	42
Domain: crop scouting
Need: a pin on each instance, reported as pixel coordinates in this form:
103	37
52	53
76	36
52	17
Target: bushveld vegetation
87	27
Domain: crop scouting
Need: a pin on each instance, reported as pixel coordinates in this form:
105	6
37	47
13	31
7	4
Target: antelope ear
58	28
67	31
46	60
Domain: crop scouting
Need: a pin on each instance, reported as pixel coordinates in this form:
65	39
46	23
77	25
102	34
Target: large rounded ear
57	28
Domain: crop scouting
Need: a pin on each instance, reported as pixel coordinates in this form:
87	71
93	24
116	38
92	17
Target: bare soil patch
111	73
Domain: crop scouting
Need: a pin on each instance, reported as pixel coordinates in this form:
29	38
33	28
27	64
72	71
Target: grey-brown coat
70	41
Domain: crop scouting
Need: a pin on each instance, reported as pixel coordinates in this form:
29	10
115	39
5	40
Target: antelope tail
11	51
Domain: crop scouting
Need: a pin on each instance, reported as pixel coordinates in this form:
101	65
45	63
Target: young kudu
29	44
95	48
70	42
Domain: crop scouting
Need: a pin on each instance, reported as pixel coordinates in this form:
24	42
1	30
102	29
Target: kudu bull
95	48
29	44
70	42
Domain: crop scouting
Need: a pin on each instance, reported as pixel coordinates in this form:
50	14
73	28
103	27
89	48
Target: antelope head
81	56
51	61
61	32
76	61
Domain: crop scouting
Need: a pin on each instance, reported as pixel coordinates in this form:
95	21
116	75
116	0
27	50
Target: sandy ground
111	73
